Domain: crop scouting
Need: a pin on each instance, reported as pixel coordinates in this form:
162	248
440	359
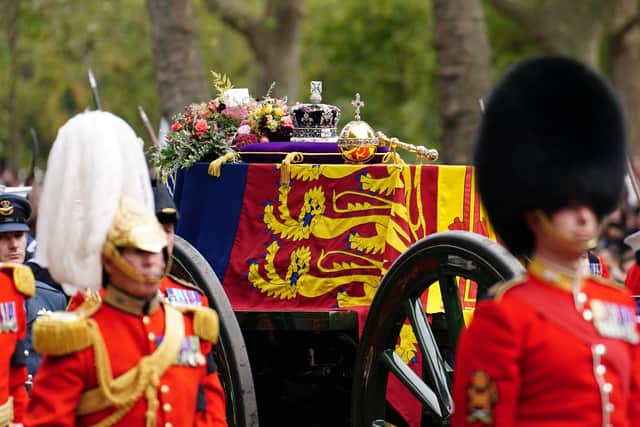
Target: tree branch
628	25
519	11
237	14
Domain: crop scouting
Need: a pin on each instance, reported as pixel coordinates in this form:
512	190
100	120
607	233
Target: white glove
633	240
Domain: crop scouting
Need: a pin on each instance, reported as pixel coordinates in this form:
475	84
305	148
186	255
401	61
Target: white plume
95	159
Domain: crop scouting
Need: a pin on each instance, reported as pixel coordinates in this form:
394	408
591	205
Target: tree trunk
624	64
463	75
581	29
572	28
176	49
274	37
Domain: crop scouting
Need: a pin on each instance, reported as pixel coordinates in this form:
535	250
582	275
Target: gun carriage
342	286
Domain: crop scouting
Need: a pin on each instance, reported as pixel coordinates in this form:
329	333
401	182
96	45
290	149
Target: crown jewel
315	122
357	141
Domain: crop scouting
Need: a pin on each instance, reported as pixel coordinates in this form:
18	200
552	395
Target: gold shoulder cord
124	391
206	324
23	278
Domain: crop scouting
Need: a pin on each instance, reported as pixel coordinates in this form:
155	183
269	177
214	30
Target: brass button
166	407
146	320
168	425
152	336
164	389
600	350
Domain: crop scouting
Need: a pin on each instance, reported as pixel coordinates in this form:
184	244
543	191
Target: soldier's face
151	265
566	233
13	245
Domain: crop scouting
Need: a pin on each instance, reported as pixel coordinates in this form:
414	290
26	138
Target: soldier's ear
107	265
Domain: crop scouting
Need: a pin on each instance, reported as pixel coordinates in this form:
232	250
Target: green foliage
201	132
220	82
223	49
382	50
58	41
509	42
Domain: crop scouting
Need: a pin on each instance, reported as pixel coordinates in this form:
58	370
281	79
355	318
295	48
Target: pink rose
201	126
236	113
244	129
176	126
286	122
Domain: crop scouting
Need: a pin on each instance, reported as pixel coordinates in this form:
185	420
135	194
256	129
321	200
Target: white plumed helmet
95	159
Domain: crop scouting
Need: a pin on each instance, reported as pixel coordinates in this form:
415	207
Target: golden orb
357	141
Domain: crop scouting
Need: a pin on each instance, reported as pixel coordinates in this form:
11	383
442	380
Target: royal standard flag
320	236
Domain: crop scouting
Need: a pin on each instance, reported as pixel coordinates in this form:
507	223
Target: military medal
614	320
8	319
177	296
189	354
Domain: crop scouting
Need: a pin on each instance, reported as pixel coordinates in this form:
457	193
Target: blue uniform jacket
47	298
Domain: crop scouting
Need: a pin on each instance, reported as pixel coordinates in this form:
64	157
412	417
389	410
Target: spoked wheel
232	357
442	257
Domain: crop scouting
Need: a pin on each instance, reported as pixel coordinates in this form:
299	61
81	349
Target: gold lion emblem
481	395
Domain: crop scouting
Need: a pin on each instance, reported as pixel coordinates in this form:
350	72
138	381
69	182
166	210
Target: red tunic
632	281
213	391
62	379
530	358
13	326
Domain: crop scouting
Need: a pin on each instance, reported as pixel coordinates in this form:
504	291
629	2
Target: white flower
244	129
236	97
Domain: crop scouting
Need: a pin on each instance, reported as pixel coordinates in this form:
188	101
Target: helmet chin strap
562	240
112	252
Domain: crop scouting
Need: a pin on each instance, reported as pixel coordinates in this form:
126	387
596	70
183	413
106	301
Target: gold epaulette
185	283
63	332
23	278
499	289
206	323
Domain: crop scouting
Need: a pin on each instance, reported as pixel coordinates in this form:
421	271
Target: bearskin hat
552	133
166	211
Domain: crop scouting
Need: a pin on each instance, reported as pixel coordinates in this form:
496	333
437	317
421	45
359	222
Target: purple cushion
318	152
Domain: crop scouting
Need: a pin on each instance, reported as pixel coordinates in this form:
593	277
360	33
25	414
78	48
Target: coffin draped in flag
321	237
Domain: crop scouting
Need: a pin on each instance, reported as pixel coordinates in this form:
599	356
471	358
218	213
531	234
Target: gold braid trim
392	157
285	167
60	333
123	392
6	412
216	165
23	278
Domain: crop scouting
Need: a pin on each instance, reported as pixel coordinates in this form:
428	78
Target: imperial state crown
315	122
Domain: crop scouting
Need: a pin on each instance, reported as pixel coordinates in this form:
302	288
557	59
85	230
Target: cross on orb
357	104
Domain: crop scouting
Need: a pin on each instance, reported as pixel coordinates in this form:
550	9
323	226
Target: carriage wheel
232	357
442	257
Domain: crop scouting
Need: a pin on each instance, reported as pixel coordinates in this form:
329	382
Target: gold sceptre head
422	152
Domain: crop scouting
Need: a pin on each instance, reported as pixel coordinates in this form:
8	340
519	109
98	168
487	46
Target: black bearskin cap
553	132
166	211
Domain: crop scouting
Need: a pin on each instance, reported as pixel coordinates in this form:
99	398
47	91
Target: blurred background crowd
624	221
